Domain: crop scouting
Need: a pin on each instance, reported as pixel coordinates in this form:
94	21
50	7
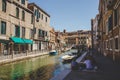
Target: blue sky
71	15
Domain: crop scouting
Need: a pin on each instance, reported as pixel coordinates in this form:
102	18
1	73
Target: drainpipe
92	35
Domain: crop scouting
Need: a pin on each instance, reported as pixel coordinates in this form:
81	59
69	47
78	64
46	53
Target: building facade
94	31
41	27
79	37
15	26
23	27
109	28
52	39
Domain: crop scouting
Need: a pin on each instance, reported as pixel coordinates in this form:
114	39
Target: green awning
17	40
28	41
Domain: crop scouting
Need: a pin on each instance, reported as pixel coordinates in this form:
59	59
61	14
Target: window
23	1
31	19
3	27
115	17
46	19
42	16
35	12
4	5
45	33
110	23
23	32
17	12
38	14
116	43
40	34
111	44
17	31
31	33
23	15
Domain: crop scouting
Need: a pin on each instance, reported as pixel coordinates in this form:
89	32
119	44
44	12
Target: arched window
17	12
4	5
23	15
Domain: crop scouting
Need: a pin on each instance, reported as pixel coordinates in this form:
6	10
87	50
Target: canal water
39	68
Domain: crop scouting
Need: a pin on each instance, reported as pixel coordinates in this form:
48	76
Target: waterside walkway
16	57
107	70
20	56
64	73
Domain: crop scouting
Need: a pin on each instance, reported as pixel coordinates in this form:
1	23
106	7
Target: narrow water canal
39	68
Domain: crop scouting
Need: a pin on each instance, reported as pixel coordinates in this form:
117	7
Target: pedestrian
89	62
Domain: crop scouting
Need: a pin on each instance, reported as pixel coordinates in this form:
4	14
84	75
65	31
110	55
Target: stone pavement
107	70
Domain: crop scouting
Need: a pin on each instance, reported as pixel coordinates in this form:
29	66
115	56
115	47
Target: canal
39	68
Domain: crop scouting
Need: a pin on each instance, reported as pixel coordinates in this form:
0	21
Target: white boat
67	58
53	52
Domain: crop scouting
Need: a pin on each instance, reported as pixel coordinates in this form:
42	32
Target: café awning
28	41
17	40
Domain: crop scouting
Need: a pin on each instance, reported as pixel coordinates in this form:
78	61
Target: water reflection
39	68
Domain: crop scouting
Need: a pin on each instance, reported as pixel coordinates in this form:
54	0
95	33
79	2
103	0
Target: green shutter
17	31
17	12
3	27
23	1
4	5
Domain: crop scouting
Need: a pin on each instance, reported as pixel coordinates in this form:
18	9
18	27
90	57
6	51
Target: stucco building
41	27
23	27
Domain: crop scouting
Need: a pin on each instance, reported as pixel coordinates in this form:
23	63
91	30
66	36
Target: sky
71	15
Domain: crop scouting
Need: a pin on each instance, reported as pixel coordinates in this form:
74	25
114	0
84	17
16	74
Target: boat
68	58
53	52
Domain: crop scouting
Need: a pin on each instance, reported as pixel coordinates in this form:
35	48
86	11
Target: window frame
3	28
17	12
23	32
23	15
4	5
23	2
17	31
116	48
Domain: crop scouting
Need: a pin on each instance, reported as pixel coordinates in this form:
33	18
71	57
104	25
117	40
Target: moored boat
53	52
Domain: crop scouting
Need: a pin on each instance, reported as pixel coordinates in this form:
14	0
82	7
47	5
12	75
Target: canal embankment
40	67
64	73
10	58
4	59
